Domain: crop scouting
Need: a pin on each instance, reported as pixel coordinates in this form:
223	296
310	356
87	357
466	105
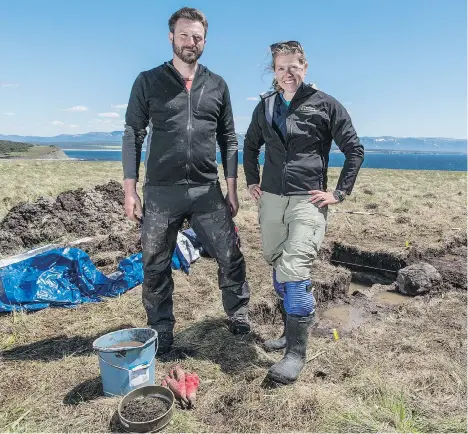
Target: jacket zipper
189	120
189	133
286	151
323	168
286	147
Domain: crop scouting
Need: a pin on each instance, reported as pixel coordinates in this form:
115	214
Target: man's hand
133	207
255	191
231	198
324	197
233	203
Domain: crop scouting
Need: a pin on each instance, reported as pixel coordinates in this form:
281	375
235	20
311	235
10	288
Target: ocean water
408	161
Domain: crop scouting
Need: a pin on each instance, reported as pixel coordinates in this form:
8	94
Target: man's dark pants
165	209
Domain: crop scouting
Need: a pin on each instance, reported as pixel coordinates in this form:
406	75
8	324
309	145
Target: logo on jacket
308	109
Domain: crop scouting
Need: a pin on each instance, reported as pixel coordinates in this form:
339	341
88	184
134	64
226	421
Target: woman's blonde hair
291	47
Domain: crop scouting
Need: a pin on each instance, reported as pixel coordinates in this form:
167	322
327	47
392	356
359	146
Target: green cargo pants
292	232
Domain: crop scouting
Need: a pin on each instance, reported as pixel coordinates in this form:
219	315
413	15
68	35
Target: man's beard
189	56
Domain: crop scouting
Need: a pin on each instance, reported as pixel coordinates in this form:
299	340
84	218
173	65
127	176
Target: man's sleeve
226	136
252	143
345	137
136	121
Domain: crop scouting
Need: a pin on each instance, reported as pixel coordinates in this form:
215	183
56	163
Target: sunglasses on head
288	44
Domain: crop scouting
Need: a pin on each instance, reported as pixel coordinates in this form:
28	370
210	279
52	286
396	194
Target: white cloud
76	108
9	114
109	115
57	123
73	126
9	84
252	98
119	106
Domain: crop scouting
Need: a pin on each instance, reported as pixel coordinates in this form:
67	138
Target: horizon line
240	133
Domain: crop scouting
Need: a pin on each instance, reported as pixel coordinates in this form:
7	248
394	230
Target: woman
296	123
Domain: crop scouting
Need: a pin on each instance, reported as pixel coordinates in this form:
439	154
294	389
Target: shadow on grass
114	424
57	347
84	392
211	340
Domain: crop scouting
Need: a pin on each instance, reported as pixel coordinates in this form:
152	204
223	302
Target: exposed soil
145	408
107	251
73	214
381	266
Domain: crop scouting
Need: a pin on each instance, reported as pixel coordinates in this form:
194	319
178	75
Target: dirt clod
418	279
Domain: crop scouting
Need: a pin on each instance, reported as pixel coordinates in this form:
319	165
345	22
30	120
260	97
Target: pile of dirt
107	251
73	214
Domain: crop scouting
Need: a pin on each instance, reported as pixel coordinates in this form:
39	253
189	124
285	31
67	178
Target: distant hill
384	143
21	150
7	146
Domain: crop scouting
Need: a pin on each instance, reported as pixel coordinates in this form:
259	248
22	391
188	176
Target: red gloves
184	386
191	385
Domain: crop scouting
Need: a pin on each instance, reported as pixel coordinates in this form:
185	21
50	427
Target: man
187	109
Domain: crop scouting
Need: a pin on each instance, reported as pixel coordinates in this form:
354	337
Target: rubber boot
239	324
280	343
165	340
287	370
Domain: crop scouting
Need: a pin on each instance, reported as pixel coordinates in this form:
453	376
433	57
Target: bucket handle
135	368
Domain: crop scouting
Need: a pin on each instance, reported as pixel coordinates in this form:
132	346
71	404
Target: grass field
403	369
398	205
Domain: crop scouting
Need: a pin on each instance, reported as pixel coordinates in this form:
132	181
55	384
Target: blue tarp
63	277
67	277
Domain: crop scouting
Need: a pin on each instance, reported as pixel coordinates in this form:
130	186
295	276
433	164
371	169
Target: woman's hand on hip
255	191
324	197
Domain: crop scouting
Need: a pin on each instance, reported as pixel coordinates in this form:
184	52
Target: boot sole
280	380
239	329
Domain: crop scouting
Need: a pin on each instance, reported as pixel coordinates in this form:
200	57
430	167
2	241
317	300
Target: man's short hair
191	14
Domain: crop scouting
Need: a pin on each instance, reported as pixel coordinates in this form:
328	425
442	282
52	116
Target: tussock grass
403	370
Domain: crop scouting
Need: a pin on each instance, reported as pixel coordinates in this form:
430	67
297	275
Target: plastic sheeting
67	277
63	277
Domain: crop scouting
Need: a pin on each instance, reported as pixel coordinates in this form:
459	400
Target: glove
175	381
191	386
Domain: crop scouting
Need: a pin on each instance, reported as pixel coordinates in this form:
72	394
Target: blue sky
398	66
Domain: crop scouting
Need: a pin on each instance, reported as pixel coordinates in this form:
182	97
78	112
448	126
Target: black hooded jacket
183	128
299	163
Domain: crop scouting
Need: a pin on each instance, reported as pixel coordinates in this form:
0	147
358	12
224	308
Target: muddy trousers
165	209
